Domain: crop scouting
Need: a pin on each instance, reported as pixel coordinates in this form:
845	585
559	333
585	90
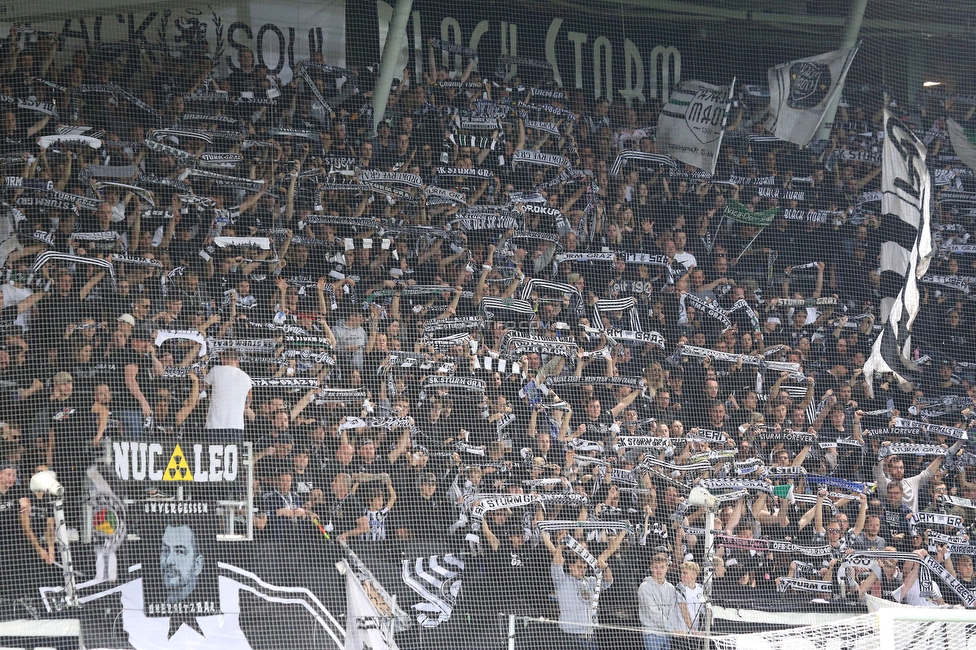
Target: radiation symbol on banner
177	469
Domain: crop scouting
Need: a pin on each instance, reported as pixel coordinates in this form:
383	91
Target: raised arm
191	399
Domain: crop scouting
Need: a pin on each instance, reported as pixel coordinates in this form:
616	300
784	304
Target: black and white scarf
707	435
243	345
569	380
12	182
182	134
399	178
812	216
934	429
491	306
343	395
547	127
379	423
109	171
586	257
351	222
477	122
505	60
135	261
650	462
310	84
447	342
54	256
787	435
628	304
224	180
643	442
447	46
535	285
900	448
414	360
220	160
285	382
45	203
674	272
462	383
539	158
479	504
937	519
468	221
892	432
864	559
447	325
515	344
653	158
263	243
801	584
441	196
463	171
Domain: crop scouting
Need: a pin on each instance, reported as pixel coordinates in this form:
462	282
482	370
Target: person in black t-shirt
16	535
135	366
304	481
426	516
68	443
342	508
961	567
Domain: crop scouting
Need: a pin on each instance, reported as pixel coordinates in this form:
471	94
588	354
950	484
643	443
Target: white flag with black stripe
905	251
365	626
691	125
800	92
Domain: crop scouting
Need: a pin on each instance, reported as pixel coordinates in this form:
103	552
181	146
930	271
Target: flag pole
725	121
749	245
851	32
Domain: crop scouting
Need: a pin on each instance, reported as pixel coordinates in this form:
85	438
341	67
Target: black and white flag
691	125
800	92
906	251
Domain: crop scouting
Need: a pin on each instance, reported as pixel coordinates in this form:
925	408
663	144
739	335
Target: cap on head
142	334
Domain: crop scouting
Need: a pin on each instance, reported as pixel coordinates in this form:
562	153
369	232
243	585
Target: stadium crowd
502	325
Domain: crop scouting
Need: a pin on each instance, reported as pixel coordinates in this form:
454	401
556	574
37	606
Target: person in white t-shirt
910	592
230	389
682	256
691	600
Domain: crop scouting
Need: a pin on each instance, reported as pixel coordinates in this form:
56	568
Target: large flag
963	142
691	125
365	628
906	197
800	92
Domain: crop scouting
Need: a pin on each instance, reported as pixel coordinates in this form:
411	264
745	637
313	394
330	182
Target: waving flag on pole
963	140
906	250
800	92
691	124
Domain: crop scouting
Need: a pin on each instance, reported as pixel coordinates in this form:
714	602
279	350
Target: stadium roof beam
955	25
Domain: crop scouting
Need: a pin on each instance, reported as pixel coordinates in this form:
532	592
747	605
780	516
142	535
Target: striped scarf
619	304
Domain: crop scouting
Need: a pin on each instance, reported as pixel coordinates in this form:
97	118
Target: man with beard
180	563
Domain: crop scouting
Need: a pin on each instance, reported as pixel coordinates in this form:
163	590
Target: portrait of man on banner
179	571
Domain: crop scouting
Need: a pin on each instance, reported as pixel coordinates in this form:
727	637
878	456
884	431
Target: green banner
738	212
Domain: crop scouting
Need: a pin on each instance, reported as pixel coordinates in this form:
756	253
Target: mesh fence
933	635
352	324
